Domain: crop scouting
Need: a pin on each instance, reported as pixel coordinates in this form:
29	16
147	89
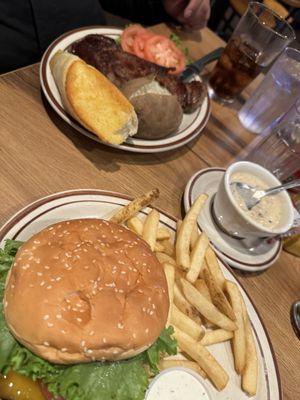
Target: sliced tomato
139	43
162	51
128	36
47	394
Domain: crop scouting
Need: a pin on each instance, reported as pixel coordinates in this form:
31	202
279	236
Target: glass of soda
258	39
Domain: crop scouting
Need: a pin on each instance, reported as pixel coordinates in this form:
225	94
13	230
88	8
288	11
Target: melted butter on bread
92	99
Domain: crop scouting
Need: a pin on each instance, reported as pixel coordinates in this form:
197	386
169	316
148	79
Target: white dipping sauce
177	385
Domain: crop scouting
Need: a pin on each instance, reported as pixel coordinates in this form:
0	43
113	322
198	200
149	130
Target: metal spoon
252	195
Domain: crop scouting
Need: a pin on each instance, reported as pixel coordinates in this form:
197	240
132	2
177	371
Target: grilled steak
108	57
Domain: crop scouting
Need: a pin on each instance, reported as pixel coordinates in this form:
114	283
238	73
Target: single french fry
164	364
186	324
194	236
205	307
201	286
250	372
136	225
184	235
183	305
214	267
216	336
163	234
158	247
135	206
202	356
150	228
168	247
197	257
170	276
239	338
164	258
218	297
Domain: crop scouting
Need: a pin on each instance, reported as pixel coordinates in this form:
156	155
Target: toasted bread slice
92	99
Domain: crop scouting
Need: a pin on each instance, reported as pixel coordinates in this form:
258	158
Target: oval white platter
191	126
85	203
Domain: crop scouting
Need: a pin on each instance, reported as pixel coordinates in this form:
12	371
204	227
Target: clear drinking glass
279	152
275	95
258	39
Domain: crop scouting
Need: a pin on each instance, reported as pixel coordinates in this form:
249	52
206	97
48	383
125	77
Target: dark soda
236	69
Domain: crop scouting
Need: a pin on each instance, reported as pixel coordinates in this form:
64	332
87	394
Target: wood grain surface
40	155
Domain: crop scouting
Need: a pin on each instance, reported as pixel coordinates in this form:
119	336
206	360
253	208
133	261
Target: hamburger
85	304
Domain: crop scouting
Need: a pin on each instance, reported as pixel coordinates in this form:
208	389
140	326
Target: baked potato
159	113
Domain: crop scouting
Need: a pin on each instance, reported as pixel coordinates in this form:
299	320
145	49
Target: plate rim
246	266
27	209
152	147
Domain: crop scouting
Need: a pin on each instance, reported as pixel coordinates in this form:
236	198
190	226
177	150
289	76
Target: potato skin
158	114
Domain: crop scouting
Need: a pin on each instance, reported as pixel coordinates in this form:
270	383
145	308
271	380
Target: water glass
275	95
279	152
259	38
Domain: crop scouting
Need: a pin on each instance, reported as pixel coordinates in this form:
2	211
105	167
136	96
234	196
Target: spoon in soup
252	195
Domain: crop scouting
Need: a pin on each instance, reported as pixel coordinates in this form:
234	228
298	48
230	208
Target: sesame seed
79	319
45	317
31	285
49	287
50	324
144	309
140	291
46	267
64	349
39	273
104	340
134	335
42	283
46	344
58	278
91	333
59	316
120	326
89	351
146	330
63	332
82	343
151	312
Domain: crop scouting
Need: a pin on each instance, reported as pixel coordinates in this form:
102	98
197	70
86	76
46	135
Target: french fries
206	308
197	293
164	258
170	276
216	336
150	228
183	305
214	267
185	233
186	324
136	225
164	364
239	338
135	206
202	356
250	372
218	297
197	257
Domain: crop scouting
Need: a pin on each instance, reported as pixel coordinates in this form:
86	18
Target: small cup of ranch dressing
177	383
272	216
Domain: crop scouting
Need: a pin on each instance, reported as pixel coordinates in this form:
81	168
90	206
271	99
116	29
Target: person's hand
192	14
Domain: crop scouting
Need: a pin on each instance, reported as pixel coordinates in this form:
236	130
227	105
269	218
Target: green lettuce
123	380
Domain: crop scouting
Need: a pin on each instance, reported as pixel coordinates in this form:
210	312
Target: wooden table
40	154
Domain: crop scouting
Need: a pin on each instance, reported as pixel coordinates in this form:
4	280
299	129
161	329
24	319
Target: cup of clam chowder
272	216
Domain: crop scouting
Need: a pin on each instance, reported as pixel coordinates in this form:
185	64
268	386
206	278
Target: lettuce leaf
123	380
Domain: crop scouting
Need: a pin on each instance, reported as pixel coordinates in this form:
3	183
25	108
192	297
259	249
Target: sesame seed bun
85	290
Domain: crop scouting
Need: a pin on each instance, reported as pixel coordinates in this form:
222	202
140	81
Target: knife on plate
197	66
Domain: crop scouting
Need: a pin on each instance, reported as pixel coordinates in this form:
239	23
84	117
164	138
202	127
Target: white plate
191	126
97	203
240	254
